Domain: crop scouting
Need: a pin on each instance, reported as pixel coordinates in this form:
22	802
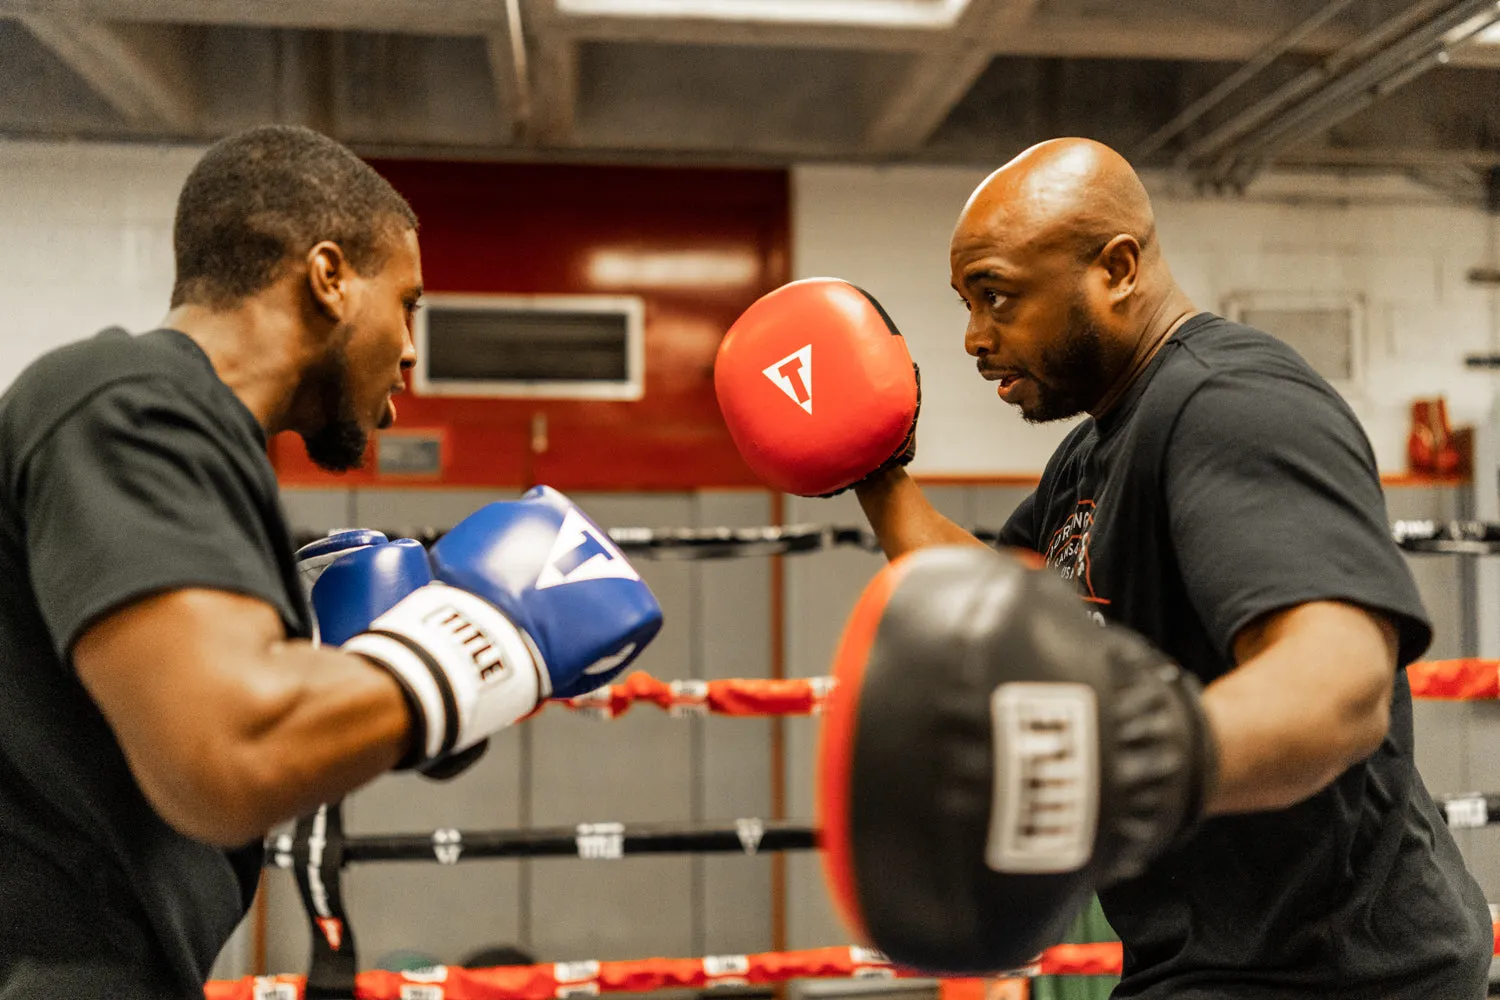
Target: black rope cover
1436	537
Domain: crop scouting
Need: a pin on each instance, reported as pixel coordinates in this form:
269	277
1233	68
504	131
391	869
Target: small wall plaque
409	453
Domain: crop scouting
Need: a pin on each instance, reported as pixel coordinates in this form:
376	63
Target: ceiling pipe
1307	82
518	66
1411	56
1234	81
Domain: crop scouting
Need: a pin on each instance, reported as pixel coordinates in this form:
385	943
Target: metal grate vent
583	347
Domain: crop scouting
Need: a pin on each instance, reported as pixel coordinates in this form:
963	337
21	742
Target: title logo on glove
793	376
469	637
582	552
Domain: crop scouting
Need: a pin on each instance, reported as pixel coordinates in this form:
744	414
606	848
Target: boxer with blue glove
521	601
364	587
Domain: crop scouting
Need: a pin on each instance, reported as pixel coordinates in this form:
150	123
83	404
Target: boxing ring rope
1468	679
589	841
567	979
317	850
1427	537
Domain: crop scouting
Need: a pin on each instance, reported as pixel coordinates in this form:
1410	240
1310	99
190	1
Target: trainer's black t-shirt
127	468
1232	481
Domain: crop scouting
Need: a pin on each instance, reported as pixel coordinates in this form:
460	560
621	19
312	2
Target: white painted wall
1399	247
85	241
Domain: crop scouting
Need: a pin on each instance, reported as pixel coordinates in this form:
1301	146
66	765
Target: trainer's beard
1075	376
339	445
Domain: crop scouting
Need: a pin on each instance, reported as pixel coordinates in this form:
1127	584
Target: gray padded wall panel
733	610
319	510
638	768
820	592
416	509
444	911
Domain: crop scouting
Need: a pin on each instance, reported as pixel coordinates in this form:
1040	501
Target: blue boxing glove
530	600
365	578
315	557
562	578
365	583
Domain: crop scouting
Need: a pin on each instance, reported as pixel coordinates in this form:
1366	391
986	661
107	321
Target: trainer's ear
1121	260
328	274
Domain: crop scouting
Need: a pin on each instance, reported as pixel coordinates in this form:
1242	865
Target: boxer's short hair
266	195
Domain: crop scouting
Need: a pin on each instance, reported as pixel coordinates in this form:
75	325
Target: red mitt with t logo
817	387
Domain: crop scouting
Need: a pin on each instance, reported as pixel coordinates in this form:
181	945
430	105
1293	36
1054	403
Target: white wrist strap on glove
467	669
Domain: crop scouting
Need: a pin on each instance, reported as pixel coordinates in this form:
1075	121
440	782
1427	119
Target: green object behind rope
1089	927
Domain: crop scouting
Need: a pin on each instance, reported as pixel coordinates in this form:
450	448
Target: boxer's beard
339	445
1074	375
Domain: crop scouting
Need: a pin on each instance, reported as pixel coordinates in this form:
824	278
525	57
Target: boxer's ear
328	274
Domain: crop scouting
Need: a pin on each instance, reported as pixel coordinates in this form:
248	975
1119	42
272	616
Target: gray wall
560	769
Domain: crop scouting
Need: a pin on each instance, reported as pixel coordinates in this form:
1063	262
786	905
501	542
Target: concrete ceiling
1216	90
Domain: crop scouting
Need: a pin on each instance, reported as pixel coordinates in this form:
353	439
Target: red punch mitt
817	387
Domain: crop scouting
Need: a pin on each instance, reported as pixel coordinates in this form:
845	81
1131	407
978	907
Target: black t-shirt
127	468
1232	481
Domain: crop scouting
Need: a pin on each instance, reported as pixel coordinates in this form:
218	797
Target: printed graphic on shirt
1068	551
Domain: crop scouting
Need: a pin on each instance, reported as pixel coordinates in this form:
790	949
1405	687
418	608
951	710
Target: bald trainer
1221	500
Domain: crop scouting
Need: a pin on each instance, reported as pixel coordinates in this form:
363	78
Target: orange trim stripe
836	741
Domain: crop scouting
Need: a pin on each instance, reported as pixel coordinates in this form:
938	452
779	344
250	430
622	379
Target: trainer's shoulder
1225	378
1208	345
71	376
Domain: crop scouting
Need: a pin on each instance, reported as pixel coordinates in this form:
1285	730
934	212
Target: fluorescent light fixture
1483	29
672	269
857	13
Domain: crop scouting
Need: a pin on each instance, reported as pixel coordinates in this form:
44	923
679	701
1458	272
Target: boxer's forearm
1310	698
328	722
228	727
903	519
314	725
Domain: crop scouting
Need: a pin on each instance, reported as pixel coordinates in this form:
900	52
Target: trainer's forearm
903	519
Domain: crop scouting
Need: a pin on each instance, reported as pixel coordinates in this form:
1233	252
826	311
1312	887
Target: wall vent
1328	331
531	346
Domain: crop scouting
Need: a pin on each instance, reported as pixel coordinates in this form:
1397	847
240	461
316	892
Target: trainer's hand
817	388
990	756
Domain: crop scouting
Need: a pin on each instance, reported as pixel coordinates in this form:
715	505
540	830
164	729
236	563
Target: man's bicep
1337	625
1273	501
126	499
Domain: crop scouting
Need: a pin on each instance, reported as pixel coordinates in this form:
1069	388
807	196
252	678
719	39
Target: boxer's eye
995	299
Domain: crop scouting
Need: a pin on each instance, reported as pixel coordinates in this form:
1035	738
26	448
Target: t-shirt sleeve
132	494
1019	531
1274	500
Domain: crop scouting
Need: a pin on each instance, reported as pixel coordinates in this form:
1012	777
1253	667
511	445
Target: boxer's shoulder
113	355
161	369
